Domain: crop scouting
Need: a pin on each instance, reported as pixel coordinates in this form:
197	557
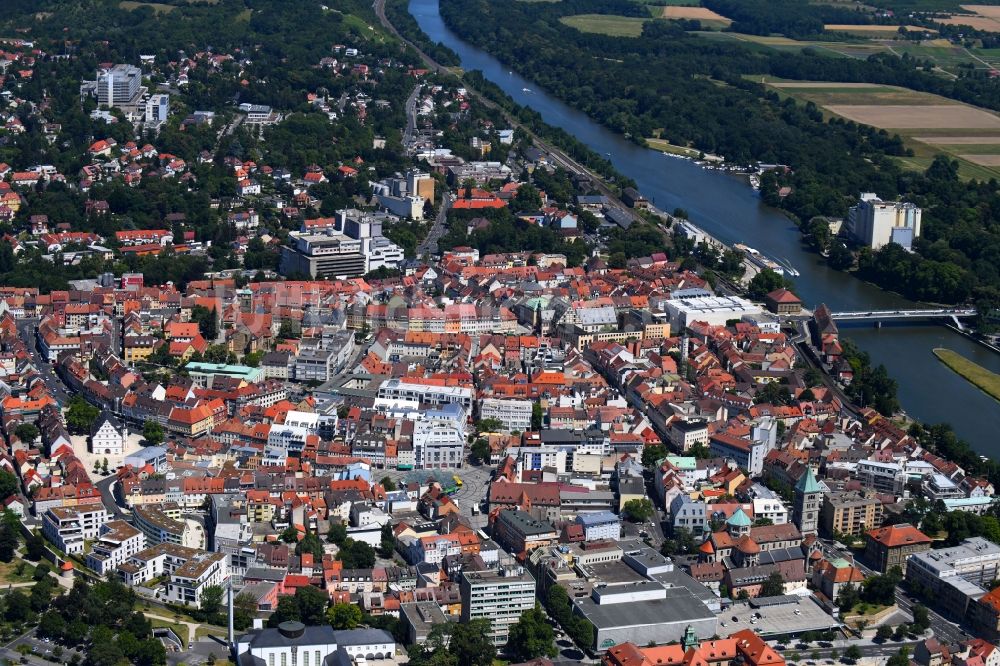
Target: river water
730	210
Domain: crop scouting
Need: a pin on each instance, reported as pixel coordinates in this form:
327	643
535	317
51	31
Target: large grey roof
679	606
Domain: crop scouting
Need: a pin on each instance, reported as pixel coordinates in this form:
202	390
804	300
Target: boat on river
759	260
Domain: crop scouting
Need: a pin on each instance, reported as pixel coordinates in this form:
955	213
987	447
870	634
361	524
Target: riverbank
985	380
724	206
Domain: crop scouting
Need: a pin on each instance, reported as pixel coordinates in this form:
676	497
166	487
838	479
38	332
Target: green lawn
606	24
8	571
664	146
203	631
986	380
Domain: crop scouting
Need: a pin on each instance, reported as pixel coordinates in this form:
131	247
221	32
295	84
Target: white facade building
118	541
68	527
514	414
600	525
877	223
294	644
500	598
107	435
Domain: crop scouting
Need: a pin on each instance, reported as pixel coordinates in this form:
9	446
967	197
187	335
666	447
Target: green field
606	24
986	380
666	147
157	7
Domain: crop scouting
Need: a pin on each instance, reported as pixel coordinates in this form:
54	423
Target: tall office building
157	108
877	223
118	85
499	597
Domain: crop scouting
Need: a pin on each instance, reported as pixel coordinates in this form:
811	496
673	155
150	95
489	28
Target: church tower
808	495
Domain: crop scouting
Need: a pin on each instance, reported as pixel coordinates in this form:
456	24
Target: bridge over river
878	317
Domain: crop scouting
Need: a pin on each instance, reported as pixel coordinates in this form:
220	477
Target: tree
901	658
921	618
387	542
80	415
287	330
17	607
287	610
480	451
244	610
344	616
310	543
26	432
772	393
883	633
388	484
211	599
848	598
764	283
289	534
34	548
653	454
337	534
312	603
536	415
356	555
774	586
8	484
207	320
471	644
152	432
489	425
531	636
51	625
8	543
638	510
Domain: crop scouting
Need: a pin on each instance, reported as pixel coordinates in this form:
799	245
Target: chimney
232	638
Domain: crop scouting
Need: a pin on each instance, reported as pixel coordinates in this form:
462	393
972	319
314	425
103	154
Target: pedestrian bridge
884	316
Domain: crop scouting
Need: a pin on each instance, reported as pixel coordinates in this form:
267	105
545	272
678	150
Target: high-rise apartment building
499	597
877	223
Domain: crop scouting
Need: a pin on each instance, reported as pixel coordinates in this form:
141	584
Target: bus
457	480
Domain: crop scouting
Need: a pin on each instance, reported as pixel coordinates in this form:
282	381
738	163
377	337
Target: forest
702	93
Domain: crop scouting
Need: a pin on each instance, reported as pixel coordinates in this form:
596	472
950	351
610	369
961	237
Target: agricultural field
981	17
606	24
707	17
157	7
929	124
873	30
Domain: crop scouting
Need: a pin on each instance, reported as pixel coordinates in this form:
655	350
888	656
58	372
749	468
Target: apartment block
68	527
118	541
850	512
499	597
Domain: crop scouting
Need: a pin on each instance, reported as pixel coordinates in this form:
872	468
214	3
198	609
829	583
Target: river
730	210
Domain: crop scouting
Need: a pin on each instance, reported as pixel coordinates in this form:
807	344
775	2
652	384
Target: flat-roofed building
328	254
161	523
117	542
955	576
68	527
500	597
850	512
188	581
518	532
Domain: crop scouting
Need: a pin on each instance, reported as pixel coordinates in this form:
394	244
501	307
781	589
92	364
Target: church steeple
805	511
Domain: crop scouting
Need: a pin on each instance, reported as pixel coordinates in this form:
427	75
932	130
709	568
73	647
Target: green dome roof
739	519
